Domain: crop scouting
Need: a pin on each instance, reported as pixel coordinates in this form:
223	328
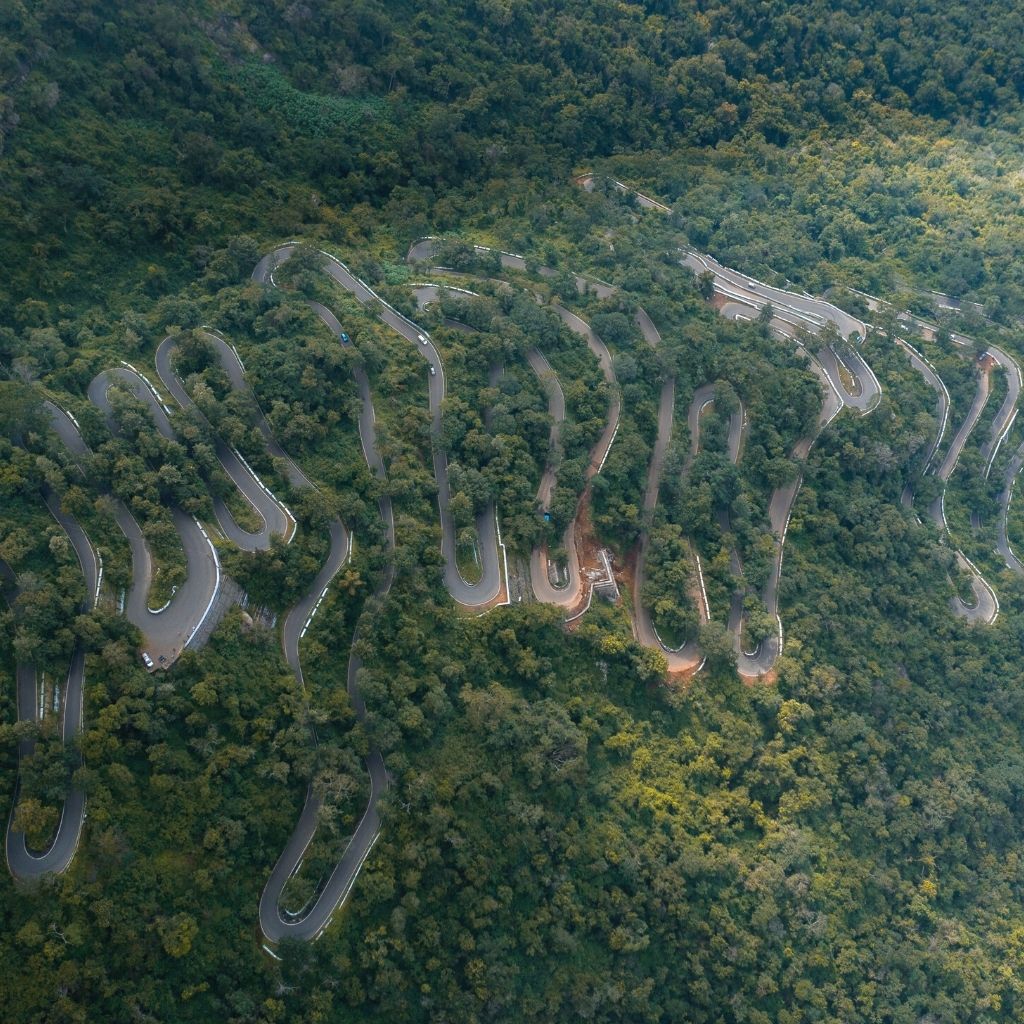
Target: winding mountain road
745	297
956	446
235	371
925	368
1009	484
25	864
793	312
277	520
489	587
688	657
780	508
544	590
985	608
277	923
1007	412
569	594
171	629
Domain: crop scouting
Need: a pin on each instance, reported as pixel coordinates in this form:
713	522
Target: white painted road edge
999	443
985	584
266	490
149	384
216	586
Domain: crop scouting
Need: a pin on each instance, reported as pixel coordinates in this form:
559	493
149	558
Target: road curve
688	656
545	591
24	864
275	922
599	453
235	371
796	309
802	310
277	520
171	629
556	410
793	312
956	446
790	310
467	594
780	507
1007	412
985	608
925	368
986	605
1009	483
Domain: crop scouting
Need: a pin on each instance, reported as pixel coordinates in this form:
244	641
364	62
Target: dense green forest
569	832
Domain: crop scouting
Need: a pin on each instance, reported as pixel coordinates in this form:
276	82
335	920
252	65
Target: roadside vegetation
567	835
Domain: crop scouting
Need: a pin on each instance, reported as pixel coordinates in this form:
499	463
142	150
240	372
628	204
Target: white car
422	339
433	371
147	660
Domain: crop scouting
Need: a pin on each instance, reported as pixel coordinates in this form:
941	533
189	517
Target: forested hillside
348	315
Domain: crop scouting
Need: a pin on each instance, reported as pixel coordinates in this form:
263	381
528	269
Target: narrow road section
277	923
489	586
169	630
25	864
277	520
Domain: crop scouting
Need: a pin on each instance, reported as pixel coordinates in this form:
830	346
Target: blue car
344	338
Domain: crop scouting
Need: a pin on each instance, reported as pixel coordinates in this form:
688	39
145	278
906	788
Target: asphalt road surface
952	456
923	367
760	661
643	627
277	521
794	311
1009	480
688	656
277	923
1007	411
985	606
780	506
26	864
746	297
569	595
543	589
467	594
169	630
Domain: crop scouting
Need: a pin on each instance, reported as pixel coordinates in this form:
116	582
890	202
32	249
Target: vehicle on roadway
433	371
344	338
422	339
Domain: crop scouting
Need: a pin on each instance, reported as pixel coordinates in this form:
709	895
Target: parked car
147	660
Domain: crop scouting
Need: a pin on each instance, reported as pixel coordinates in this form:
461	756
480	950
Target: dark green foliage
565	837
